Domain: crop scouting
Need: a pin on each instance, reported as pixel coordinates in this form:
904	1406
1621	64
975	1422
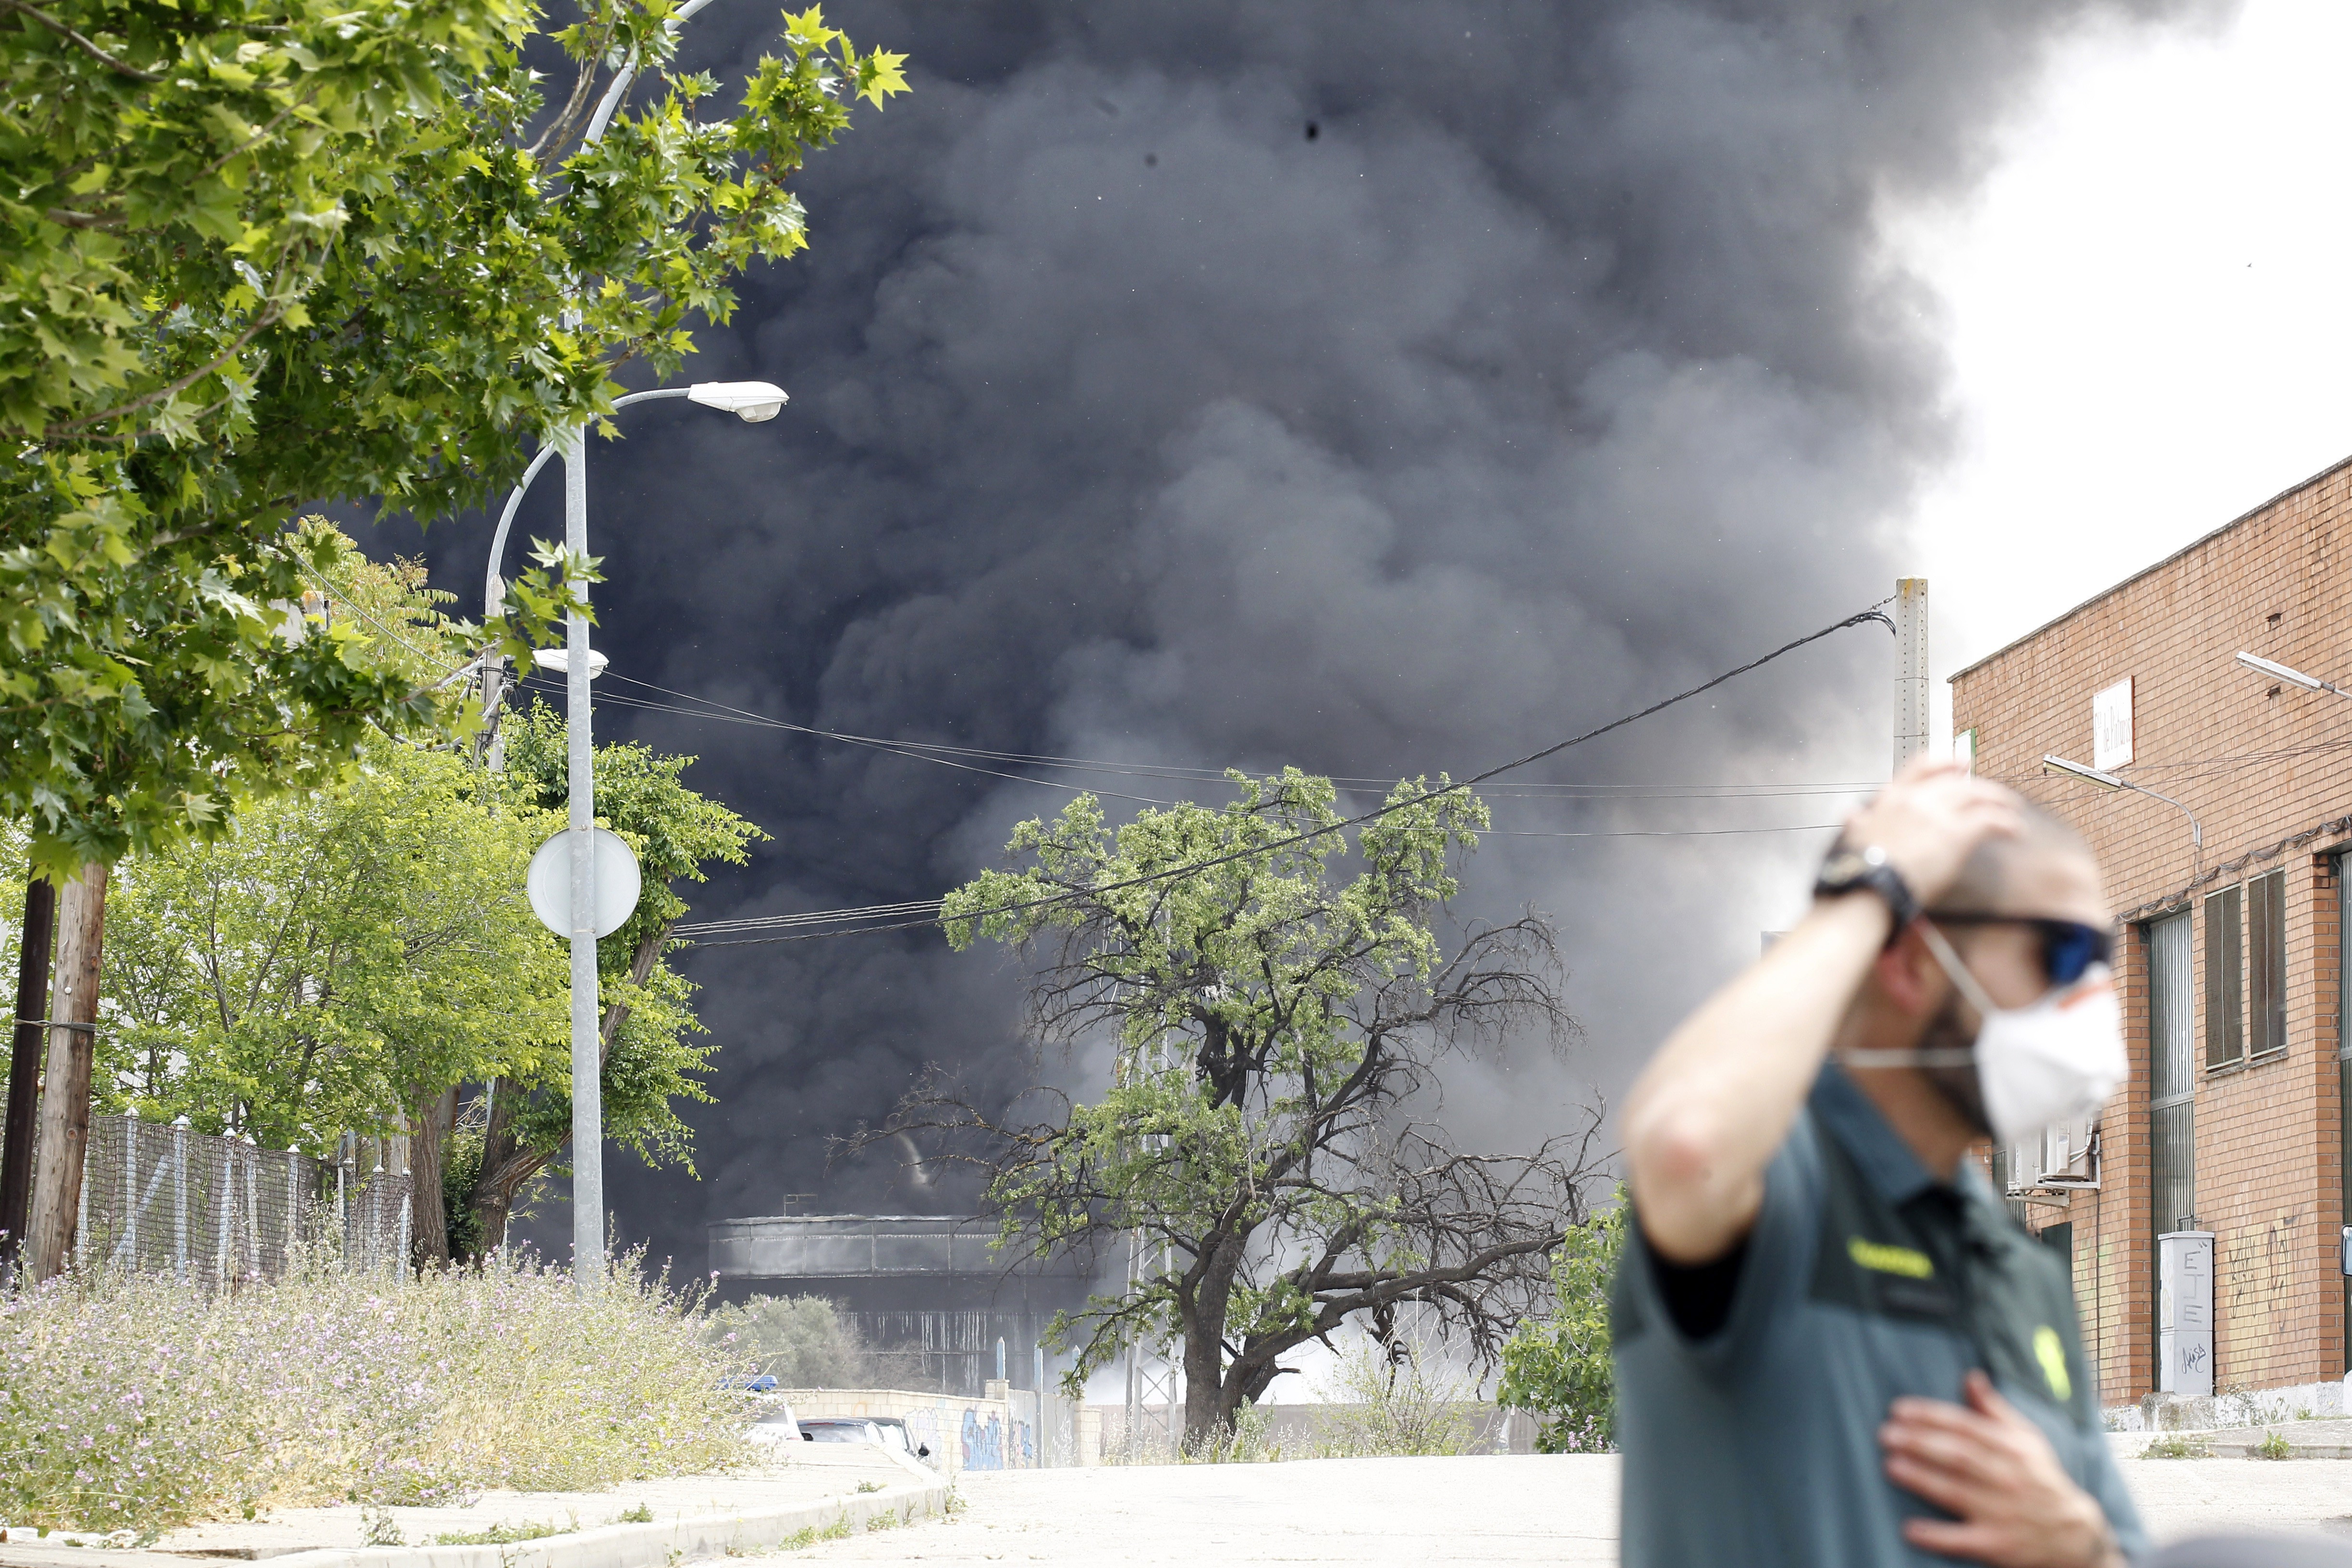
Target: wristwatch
1853	870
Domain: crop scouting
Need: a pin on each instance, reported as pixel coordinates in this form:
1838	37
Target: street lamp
2051	764
753	402
2292	677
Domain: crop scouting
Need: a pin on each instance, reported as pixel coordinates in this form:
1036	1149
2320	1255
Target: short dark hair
1984	876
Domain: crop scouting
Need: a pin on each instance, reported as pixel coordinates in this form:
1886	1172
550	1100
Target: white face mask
2055	1059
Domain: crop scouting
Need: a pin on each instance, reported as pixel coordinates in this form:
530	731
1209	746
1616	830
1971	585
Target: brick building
2232	965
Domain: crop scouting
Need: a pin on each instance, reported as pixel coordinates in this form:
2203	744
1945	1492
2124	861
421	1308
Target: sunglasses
2069	948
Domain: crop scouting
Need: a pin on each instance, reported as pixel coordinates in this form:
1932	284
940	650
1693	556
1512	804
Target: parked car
882	1431
774	1423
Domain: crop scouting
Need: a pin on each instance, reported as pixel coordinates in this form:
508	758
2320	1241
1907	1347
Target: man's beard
1962	1089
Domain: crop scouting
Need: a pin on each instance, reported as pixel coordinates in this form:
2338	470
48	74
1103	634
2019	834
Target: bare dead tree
1265	1145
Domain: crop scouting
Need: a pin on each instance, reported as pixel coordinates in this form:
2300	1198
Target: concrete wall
2269	774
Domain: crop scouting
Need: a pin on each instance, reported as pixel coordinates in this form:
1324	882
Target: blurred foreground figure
1835	1346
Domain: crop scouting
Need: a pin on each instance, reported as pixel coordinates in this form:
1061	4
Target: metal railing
212	1211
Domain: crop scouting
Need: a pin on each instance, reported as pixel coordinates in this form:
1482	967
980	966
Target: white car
774	1423
882	1431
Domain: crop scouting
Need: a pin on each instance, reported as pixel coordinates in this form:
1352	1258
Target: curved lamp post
587	1110
753	402
2108	781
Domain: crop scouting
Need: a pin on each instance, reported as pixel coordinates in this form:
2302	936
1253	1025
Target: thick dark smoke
1381	387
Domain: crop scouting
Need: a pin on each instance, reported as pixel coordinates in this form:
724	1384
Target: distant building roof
864	1246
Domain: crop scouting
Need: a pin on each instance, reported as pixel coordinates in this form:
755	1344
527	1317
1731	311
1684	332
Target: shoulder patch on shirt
1884	1257
2051	1351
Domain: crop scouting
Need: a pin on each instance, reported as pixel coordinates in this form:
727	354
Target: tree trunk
24	1067
506	1166
64	1097
428	1134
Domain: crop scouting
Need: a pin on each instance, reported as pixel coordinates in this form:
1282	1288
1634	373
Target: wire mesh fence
212	1211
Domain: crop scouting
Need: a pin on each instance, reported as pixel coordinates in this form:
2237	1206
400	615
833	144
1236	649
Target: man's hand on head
1930	820
2014	1504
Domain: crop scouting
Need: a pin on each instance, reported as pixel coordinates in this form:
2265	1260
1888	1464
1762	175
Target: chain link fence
211	1211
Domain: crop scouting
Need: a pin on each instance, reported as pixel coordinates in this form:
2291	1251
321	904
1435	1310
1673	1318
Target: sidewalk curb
660	1544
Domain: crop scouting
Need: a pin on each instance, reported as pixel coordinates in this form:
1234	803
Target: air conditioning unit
2064	1159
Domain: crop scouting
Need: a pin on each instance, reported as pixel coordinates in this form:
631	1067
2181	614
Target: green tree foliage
1557	1368
336	961
254	252
340	956
652	1059
802	1341
1276	1027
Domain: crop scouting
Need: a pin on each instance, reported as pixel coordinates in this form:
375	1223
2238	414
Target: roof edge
2196	543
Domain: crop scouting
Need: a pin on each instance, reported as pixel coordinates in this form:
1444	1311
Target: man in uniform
1835	1346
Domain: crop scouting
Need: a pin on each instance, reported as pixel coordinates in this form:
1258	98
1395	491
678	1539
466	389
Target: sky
1391	388
2145	310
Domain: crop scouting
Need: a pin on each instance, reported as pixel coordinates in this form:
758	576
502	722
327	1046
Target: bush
1397	1400
136	1403
1381	1402
1559	1368
799	1340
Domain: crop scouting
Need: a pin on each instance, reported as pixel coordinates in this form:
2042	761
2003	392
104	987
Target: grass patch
2177	1446
869	1486
135	1403
641	1514
2274	1446
504	1534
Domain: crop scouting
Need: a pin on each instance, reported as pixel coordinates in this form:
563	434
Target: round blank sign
618	882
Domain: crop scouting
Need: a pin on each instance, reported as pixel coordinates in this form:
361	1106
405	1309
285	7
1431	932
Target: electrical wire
1192	869
918	751
697	930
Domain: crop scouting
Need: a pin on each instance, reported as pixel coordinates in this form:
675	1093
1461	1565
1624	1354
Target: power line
929	907
1874	613
918	751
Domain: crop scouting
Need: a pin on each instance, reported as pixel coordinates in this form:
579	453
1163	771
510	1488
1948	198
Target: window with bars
2225	979
2172	1075
2266	963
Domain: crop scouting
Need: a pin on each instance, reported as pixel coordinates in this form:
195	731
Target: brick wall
2269	774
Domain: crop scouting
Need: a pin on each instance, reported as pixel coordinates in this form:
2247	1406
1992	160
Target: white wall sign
2111	727
1964	750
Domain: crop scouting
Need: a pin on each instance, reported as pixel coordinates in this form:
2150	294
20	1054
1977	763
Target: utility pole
25	1068
65	1095
1910	670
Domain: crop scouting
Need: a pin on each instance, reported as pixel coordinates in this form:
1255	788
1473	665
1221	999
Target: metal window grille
2172	1079
2266	963
2225	980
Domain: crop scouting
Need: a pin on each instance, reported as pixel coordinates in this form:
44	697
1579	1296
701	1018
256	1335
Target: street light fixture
560	660
2277	672
753	402
2091	775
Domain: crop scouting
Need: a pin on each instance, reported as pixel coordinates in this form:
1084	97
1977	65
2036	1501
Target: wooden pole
65	1095
18	1133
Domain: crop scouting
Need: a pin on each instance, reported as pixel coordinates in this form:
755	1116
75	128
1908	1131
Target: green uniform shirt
1864	1279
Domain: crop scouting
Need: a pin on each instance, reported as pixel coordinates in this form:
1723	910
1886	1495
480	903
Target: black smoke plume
1377	385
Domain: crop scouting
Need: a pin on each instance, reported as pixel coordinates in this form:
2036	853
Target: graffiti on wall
985	1443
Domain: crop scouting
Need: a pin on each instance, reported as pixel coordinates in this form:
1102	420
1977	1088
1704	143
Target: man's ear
1908	975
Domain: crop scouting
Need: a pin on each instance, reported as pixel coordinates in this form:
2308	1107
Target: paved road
1557	1510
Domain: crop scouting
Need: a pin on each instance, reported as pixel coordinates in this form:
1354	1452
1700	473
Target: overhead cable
1192	869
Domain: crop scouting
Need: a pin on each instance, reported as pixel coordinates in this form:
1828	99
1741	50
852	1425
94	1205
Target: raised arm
1706	1114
